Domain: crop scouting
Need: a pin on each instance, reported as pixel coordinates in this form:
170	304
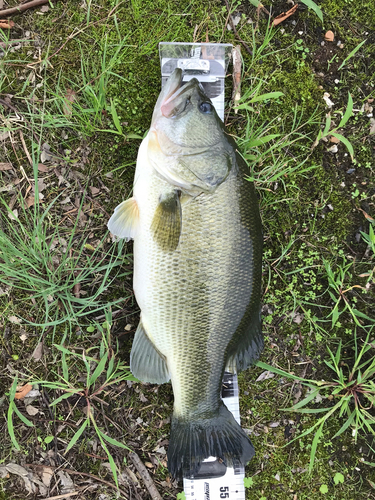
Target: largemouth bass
197	271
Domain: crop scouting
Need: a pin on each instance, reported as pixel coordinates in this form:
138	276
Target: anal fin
124	221
146	362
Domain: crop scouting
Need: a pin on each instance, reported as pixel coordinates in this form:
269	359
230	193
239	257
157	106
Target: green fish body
197	271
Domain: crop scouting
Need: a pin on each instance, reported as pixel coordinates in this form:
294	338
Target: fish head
188	144
184	116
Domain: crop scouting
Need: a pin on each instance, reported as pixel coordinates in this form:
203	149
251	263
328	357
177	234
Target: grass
83	84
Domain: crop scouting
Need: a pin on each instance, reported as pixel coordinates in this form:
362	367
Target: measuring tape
208	63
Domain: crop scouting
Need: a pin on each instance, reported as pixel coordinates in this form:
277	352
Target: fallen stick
146	478
22	7
237	63
247	48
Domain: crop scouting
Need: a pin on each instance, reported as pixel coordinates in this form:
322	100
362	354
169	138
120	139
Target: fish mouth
174	97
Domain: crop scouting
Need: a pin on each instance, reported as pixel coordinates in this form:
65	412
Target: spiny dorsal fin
166	224
124	221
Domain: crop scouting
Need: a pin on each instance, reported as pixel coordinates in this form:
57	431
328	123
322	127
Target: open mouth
177	98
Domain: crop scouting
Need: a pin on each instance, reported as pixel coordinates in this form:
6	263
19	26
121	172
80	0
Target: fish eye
205	107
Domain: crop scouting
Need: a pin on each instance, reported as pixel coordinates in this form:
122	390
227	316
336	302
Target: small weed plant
350	394
101	371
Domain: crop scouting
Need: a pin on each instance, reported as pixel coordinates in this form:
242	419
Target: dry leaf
47	476
31	410
94	190
326	98
66	484
42	168
149	465
298	318
24	474
264	376
334	139
5	134
6	24
69	99
329	36
5	166
13	215
372	126
23	337
38	352
30	201
279	19
24	390
44	9
14	319
368	217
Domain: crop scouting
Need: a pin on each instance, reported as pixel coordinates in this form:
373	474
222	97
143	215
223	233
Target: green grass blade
11	427
272	369
110	367
307	399
25	420
115	117
327	126
62	397
314	445
346	425
351	54
112	441
261	140
77	435
111	463
345	141
64	367
99	369
312	5
264	97
348	112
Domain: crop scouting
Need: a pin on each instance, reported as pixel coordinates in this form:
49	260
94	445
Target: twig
66	495
25	149
15	110
236	32
237	61
146	478
69	471
22	7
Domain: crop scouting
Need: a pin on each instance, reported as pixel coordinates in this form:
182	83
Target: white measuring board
208	63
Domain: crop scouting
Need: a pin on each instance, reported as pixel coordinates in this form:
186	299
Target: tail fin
193	441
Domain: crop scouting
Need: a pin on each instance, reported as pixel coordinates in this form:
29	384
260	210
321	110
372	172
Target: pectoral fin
146	363
166	224
124	221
